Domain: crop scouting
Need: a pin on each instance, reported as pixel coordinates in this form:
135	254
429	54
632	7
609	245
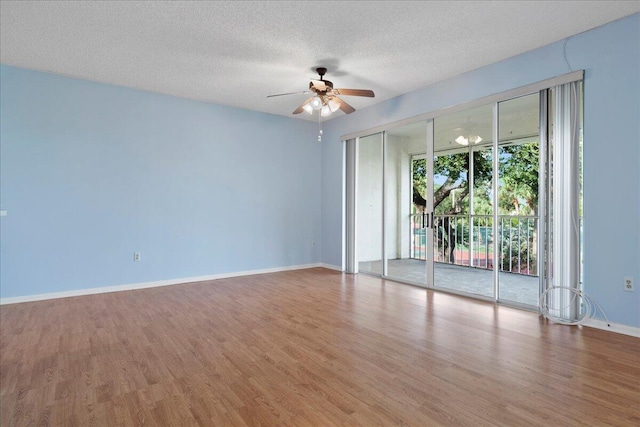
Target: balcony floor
513	287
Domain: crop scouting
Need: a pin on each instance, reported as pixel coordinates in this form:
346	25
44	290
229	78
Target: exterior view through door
465	201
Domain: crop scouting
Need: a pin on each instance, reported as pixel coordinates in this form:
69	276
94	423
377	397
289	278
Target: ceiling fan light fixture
333	105
324	98
316	103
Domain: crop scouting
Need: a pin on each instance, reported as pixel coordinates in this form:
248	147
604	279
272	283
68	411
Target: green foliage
518	189
482	203
519	174
517	195
517	245
419	178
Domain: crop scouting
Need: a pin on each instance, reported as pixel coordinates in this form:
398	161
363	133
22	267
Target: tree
519	174
518	165
453	168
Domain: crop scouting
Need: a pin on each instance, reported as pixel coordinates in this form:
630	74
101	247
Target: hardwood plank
306	348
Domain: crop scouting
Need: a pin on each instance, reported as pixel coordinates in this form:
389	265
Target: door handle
429	218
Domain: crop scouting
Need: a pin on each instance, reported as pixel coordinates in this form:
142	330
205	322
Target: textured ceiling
236	53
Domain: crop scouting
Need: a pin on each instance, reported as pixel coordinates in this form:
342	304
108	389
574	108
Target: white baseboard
129	287
591	323
615	327
330	267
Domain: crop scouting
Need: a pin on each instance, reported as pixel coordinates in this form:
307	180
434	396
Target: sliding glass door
518	193
463	205
405	183
369	231
482	201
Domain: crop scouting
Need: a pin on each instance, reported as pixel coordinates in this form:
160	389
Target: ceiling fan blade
300	108
348	109
289	93
355	92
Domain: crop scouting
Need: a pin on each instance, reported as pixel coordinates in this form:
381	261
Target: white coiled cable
590	305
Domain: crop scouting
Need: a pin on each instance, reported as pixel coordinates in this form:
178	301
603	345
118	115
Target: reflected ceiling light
465	141
462	140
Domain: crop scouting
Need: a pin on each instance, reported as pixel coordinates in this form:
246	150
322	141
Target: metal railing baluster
450	229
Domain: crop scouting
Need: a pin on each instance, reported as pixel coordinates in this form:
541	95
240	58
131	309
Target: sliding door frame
430	235
502	96
542	88
350	253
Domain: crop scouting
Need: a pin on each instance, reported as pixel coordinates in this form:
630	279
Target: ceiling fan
325	97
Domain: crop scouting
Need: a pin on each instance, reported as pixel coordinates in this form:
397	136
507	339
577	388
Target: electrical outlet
136	256
628	284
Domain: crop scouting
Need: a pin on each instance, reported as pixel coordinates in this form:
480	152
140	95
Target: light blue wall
610	56
91	173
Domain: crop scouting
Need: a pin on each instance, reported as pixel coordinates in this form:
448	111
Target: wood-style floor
306	348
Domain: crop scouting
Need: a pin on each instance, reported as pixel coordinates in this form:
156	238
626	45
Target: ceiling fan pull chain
319	127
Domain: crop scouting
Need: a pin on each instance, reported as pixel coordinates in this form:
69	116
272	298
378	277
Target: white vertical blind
564	266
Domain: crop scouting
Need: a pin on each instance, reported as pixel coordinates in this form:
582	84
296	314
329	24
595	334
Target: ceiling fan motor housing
325	86
320	89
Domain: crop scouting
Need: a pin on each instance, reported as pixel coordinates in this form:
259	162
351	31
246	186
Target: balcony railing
468	240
